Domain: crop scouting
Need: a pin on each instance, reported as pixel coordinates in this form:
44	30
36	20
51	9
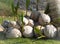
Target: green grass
26	41
5	7
5	18
4	40
7	2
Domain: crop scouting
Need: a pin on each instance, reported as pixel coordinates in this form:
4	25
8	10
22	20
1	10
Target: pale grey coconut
28	31
6	24
50	31
44	18
13	33
35	15
14	24
2	28
30	22
25	20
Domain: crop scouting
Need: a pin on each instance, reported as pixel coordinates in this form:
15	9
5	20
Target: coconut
1	28
35	15
40	20
14	24
50	31
28	31
13	33
44	18
30	22
5	23
25	20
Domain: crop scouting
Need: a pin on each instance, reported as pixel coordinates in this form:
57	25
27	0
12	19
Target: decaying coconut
6	23
50	31
40	20
35	15
28	31
13	33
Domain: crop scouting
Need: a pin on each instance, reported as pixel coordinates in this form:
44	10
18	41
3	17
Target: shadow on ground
2	35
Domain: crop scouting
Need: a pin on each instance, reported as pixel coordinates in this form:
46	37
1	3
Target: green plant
20	19
38	32
27	5
15	9
19	16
